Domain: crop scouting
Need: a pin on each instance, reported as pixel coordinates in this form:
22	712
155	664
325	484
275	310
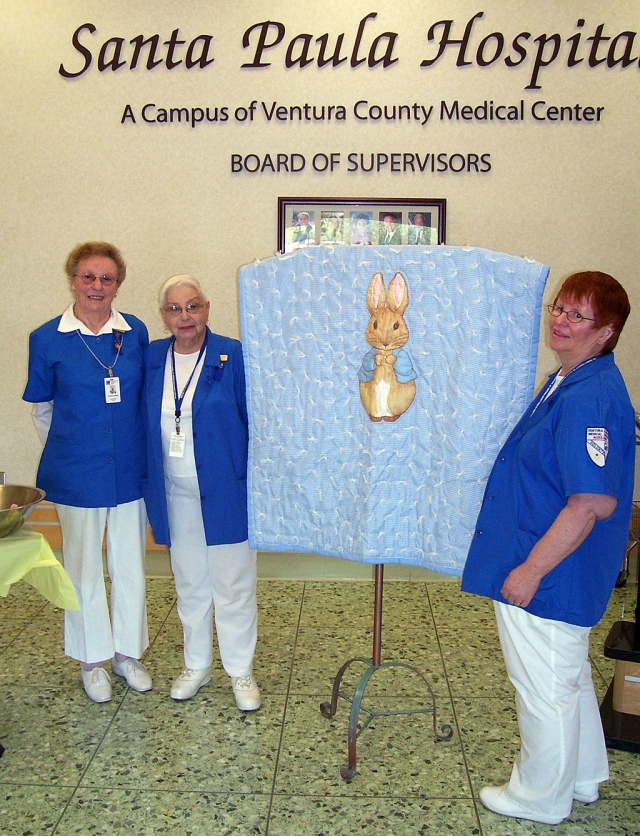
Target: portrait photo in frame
310	221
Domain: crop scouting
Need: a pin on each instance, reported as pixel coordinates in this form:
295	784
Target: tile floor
143	764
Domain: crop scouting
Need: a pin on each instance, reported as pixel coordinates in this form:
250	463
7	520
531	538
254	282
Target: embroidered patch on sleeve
597	445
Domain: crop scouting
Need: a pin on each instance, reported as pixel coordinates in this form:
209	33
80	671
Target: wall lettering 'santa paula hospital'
369	45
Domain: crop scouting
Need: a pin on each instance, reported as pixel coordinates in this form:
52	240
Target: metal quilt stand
372	666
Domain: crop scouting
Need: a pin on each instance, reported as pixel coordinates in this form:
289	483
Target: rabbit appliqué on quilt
387	377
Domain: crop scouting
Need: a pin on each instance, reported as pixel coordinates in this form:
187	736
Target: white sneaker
586	793
498	801
189	683
96	684
246	693
134	672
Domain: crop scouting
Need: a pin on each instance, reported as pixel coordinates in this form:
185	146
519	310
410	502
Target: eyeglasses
89	279
176	310
572	316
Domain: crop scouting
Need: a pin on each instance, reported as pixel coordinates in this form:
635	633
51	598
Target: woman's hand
570	528
520	586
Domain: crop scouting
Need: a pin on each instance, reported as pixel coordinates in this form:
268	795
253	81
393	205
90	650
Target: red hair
606	296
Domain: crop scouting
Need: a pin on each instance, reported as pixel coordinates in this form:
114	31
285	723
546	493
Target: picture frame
311	221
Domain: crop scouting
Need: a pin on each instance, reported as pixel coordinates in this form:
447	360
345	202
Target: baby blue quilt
381	383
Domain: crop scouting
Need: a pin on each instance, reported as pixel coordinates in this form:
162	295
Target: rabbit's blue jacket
403	367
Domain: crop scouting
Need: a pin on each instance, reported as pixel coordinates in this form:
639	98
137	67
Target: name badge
112	389
176	445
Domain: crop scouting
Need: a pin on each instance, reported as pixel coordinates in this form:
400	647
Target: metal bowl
23	498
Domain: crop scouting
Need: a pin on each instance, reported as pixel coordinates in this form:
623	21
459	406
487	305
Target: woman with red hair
548	546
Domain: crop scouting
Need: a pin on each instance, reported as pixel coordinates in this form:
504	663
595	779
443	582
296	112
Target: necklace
117	344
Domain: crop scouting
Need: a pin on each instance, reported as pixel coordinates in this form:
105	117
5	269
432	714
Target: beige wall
563	193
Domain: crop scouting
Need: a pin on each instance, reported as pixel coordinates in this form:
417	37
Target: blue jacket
581	439
94	456
220	439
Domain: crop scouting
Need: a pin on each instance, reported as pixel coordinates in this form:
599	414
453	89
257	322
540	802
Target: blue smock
94	456
220	441
545	460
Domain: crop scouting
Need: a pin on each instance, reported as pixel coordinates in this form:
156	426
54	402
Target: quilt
381	382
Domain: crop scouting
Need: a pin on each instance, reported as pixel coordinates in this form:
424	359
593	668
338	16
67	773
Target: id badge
176	445
112	389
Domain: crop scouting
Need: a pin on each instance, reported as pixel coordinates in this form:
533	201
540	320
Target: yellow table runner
26	555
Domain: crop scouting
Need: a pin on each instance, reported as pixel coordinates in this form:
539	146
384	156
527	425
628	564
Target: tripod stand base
329	709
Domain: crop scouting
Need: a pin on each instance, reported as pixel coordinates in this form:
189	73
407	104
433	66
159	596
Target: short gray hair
179	281
99	248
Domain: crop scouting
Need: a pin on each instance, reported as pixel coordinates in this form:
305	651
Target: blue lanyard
179	398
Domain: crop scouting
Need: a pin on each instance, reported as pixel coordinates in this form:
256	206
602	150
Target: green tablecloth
26	555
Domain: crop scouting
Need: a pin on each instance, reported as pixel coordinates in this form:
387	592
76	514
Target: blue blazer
220	439
94	455
544	461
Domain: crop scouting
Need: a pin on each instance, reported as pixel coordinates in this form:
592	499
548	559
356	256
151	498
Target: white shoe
189	683
246	693
586	793
134	672
497	800
96	684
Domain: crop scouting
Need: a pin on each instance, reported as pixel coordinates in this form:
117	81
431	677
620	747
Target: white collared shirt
70	322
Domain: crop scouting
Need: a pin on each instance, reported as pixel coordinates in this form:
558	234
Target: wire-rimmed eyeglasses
572	316
89	278
176	310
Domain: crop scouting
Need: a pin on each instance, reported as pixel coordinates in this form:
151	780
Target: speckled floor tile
161	599
474	662
396	755
624	780
406	605
338	604
279	603
10	629
490	738
271	664
320	816
144	764
31	809
451	606
321	653
603	819
202	744
22	602
491	741
36	658
119	812
165	658
352	605
50	735
273	659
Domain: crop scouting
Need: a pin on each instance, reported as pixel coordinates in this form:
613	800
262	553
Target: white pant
221	578
562	742
89	634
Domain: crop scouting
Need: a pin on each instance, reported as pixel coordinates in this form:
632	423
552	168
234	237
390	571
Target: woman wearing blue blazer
85	381
196	490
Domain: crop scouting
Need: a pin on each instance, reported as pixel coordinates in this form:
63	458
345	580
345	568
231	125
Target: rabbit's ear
375	294
398	295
